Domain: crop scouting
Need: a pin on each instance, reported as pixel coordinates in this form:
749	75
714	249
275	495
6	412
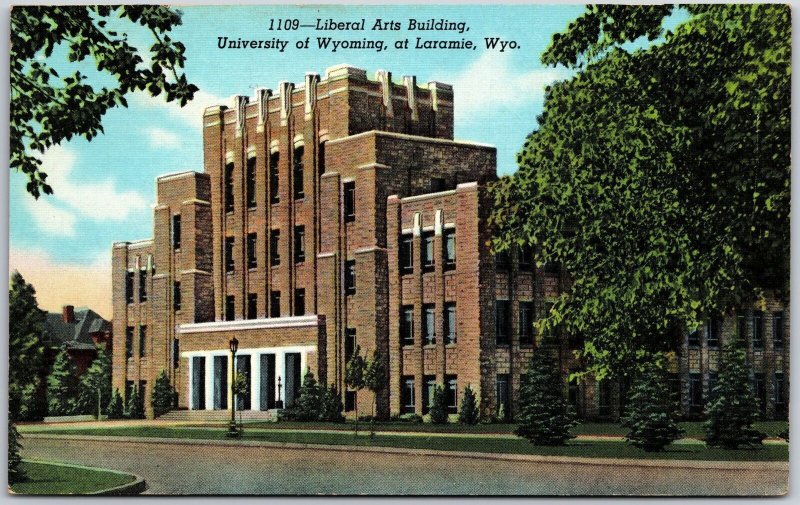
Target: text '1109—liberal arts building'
341	214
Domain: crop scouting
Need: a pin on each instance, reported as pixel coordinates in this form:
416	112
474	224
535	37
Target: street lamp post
232	430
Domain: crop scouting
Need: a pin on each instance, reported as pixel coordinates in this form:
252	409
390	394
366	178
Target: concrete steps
220	415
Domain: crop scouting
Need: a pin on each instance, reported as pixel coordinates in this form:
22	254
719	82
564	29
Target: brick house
337	214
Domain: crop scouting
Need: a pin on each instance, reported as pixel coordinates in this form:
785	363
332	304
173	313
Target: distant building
80	331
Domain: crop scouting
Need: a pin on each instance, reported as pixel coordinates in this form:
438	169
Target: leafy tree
115	408
438	407
331	407
240	386
354	373
375	381
306	406
48	108
735	408
468	411
62	387
163	395
96	378
15	472
658	177
134	408
26	365
544	414
650	413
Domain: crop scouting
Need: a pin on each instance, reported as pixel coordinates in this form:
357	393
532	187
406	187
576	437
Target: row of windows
408	392
129	281
428	324
427	256
142	341
274	243
697	401
502	317
274	304
298	176
711	330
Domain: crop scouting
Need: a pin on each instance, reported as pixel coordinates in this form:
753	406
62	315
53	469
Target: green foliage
48	108
315	402
25	352
116	410
650	415
544	414
735	408
658	178
62	387
134	407
438	407
96	378
468	411
15	472
163	395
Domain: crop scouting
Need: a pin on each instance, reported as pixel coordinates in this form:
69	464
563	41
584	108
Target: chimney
68	314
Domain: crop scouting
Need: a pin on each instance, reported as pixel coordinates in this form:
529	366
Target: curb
138	486
748	466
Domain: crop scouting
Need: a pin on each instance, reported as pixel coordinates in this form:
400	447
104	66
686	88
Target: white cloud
63	283
162	138
190	114
49	218
492	81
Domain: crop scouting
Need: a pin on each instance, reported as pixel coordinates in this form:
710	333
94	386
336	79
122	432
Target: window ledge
253	208
252	269
451	345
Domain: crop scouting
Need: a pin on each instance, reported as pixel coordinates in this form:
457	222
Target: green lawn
44	478
600	449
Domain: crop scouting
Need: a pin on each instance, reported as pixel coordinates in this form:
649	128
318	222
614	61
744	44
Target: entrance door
198	383
243	368
220	382
267	381
292	377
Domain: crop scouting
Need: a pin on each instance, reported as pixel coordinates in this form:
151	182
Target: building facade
335	216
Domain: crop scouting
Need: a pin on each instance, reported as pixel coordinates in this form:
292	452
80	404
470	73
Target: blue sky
104	188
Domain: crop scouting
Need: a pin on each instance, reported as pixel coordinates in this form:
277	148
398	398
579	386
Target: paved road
171	468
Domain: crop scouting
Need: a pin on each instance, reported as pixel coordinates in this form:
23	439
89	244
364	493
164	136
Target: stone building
331	216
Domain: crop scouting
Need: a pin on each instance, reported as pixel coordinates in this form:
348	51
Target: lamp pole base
233	431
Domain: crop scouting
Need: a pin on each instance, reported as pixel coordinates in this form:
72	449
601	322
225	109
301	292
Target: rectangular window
427	252
502	260
321	158
350	277
176	231
129	342
526	258
694	337
777	330
406	254
143	285
407	325
275	304
349	401
299	244
176	353
252	261
741	326
142	340
297	162
525	323
274	242
502	392
251	183
349	343
502	322
450	323
712	332
760	390
128	287
429	383
436	184
274	159
552	267
407	394
551	332
695	393
229	187
758	329
712	383
229	254
349	201
449	239
429	323
176	296
573	389
230	308
451	393
299	302
252	306
780	394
